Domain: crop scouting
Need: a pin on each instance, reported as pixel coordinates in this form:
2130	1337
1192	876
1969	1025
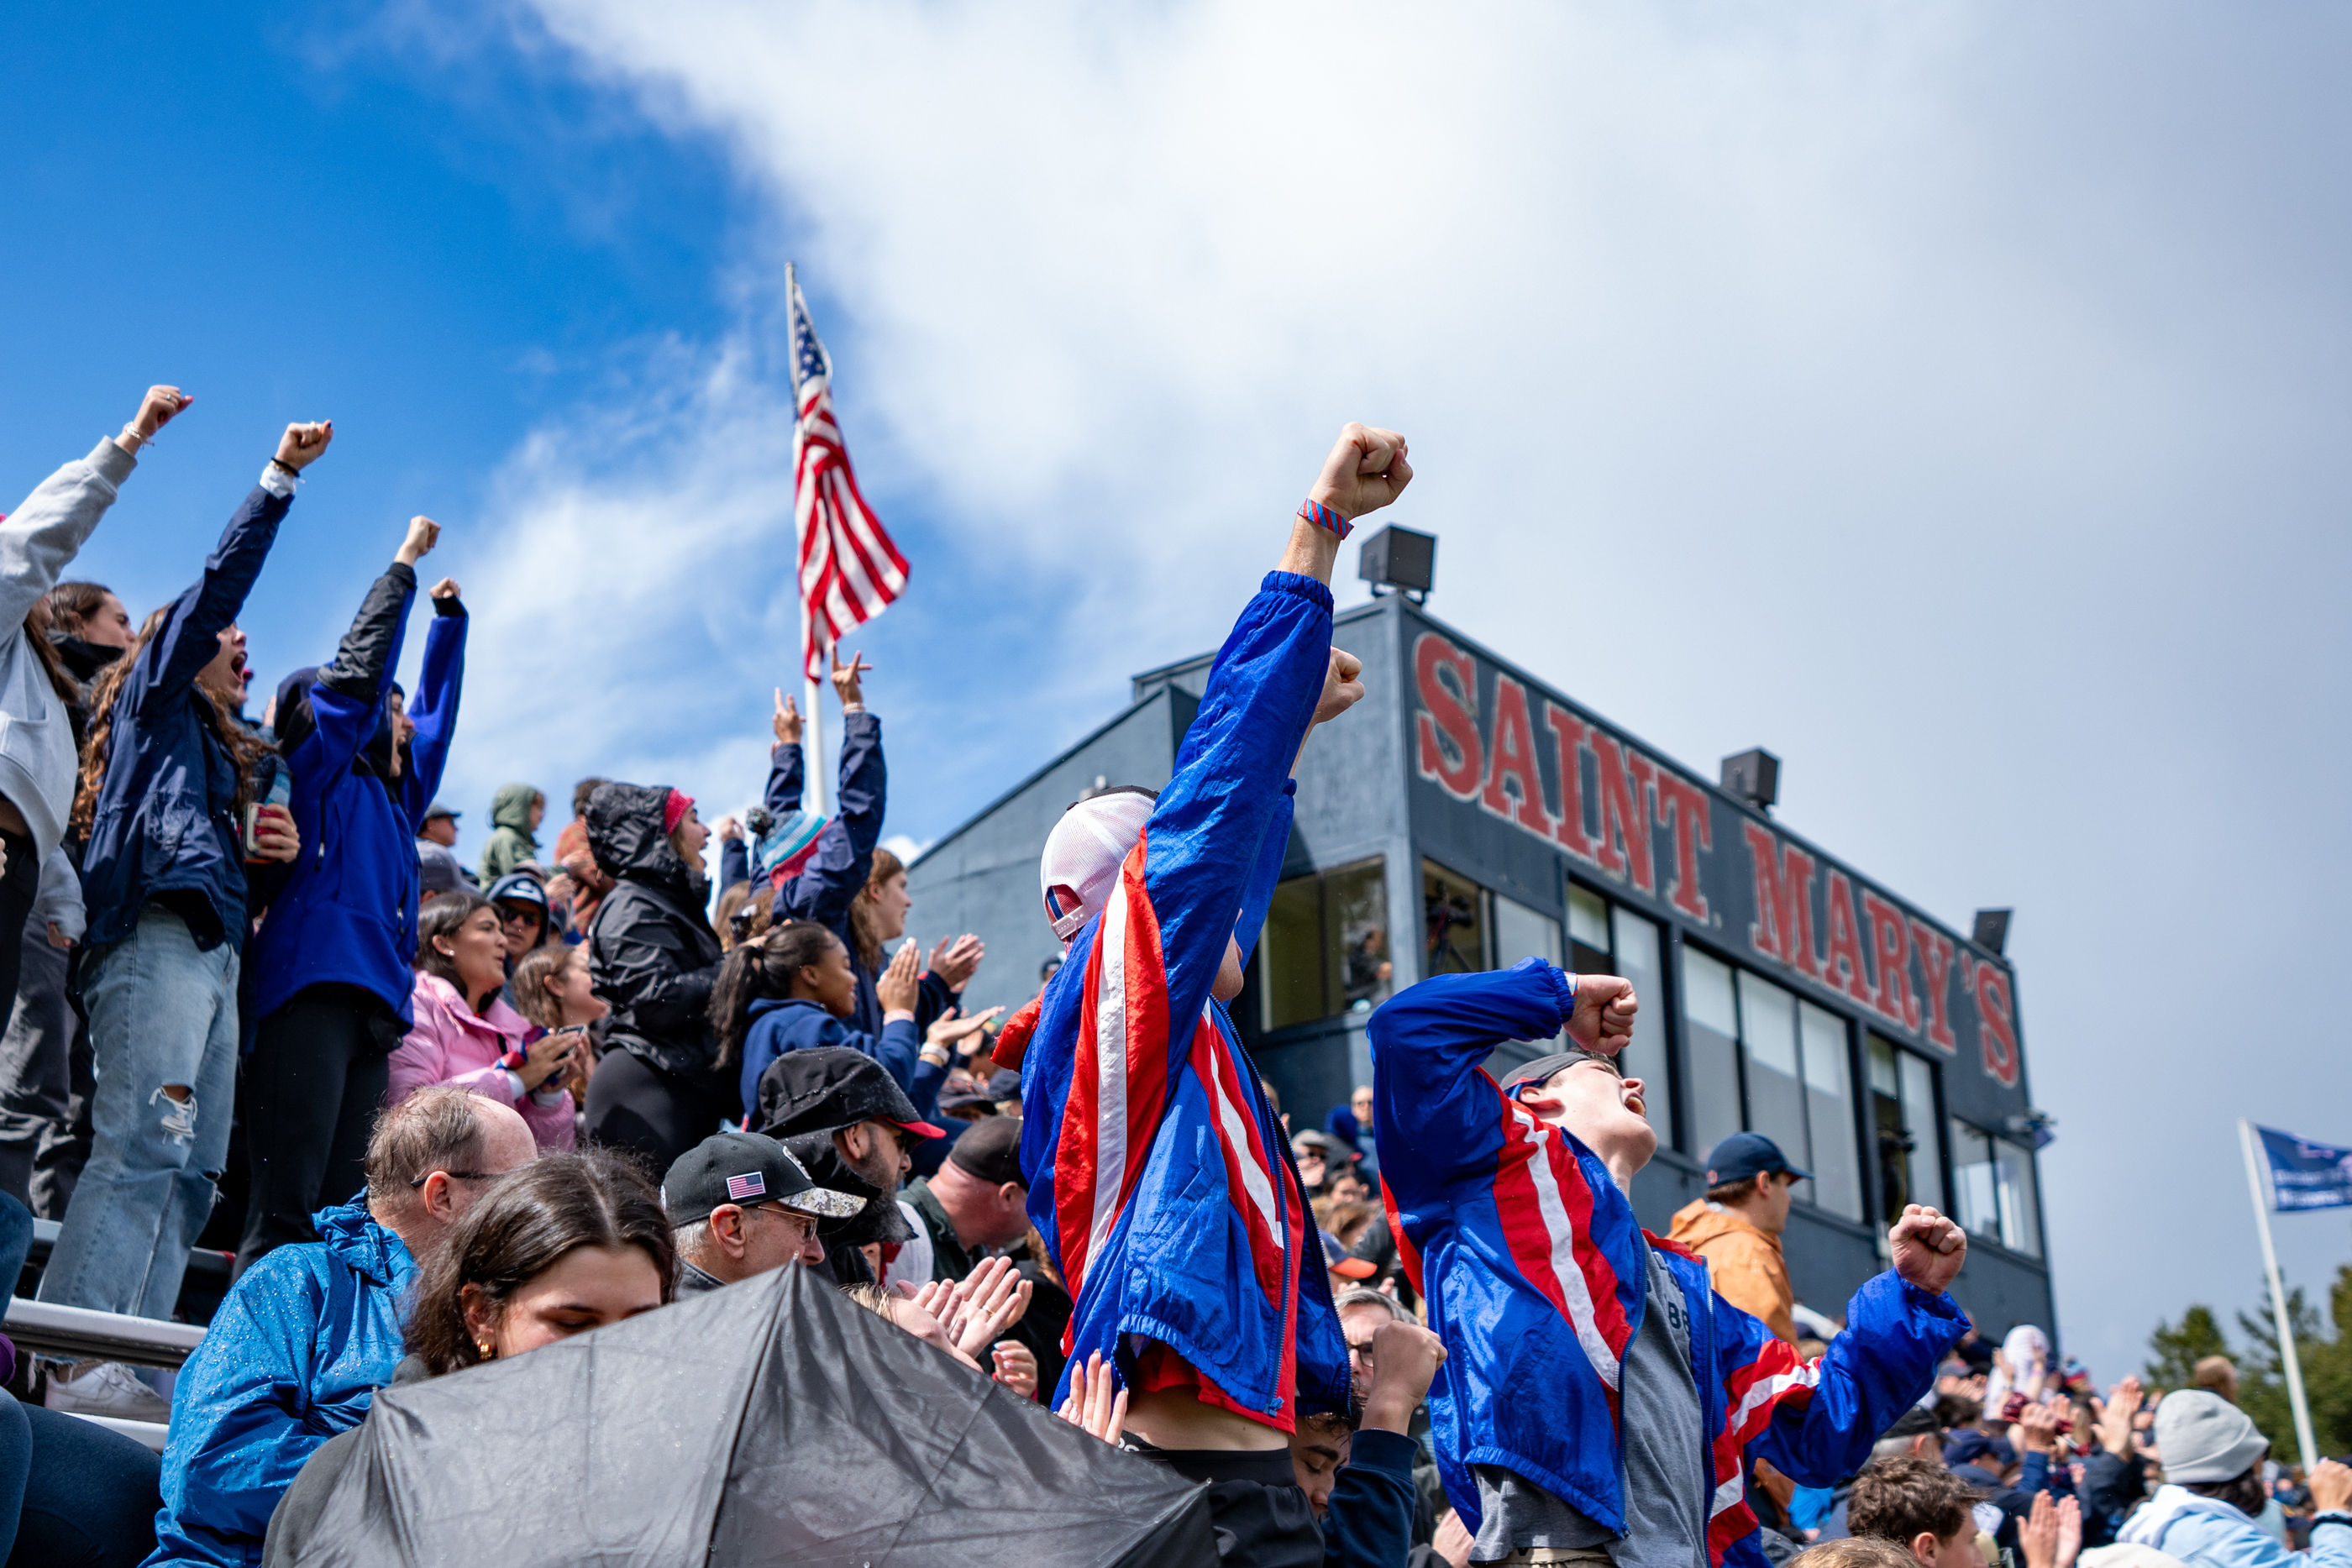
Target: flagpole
815	788
2288	1357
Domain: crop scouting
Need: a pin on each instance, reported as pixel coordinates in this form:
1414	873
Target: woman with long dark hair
566	1244
465	1033
332	977
166	775
659	1087
794	988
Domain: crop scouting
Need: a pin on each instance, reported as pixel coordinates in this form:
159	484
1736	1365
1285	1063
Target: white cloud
1933	394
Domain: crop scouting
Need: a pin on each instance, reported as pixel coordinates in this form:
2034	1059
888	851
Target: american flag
754	1184
850	571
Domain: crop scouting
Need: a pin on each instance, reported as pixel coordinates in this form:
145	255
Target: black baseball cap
1004	1083
1744	1157
746	1168
992	1151
829	1086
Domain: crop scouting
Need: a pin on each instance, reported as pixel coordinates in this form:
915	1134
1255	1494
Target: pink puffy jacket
452	1044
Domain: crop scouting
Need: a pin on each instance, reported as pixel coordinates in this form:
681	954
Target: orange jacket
1744	1263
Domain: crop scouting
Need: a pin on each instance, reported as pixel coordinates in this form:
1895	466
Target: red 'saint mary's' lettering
1503	772
1890	942
1449	712
1511	755
1569	734
1934	950
1996	1031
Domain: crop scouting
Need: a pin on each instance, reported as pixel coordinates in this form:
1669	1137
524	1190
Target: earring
489	1352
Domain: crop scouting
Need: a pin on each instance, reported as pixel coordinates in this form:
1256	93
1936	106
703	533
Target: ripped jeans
162	1012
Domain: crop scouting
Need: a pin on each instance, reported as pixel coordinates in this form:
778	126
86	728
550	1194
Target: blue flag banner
2305	1174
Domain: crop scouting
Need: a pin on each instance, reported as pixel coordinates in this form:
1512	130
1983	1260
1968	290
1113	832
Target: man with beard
848	1121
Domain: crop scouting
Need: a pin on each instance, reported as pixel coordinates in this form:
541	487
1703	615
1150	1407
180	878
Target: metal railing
77	1333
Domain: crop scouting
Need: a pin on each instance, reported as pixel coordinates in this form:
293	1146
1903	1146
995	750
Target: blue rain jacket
1163	1184
1530	1258
294	1355
347	913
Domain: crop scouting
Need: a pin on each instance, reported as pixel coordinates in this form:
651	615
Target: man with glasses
309	1333
740	1204
854	1130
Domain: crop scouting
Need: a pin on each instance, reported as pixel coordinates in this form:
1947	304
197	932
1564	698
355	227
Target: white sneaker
107	1388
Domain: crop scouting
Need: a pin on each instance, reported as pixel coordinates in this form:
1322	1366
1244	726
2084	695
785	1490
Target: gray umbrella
771	1422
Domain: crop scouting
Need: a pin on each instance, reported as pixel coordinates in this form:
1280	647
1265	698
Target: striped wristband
1324	518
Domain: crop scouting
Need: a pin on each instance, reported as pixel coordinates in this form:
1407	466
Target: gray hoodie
36	741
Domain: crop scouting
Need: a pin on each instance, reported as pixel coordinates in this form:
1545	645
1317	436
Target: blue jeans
161	1013
73	1494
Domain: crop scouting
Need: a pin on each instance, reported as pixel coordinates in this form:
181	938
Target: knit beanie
2204	1437
674	810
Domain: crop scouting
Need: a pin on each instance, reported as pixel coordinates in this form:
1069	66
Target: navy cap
440	809
1004	1083
1744	1157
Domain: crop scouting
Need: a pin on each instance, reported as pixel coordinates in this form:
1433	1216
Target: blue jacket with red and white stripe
1531	1262
1158	1174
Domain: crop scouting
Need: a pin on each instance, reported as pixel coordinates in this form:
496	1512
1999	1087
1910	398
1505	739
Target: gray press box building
1465	815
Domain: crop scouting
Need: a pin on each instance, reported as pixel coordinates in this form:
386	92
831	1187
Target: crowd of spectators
446	1115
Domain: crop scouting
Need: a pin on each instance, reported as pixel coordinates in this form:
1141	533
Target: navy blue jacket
166	825
1370	1518
780	1024
347	912
845	851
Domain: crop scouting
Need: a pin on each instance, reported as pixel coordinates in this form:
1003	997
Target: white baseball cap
1084	851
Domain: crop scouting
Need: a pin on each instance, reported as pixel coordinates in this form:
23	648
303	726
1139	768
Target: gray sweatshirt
37	743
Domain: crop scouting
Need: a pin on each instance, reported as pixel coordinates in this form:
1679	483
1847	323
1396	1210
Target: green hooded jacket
510	842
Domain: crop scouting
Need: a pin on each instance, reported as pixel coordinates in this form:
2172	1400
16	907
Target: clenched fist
1366	470
1928	1248
303	445
1603	1018
423	533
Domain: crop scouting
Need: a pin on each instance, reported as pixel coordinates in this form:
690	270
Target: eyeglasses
455	1175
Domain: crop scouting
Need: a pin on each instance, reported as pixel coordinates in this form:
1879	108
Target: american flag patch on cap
754	1184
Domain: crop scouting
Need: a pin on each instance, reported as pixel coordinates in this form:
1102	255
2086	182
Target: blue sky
1950	398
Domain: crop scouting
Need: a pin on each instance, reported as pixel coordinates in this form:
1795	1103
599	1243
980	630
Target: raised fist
1603	1018
1928	1248
423	533
1366	470
156	409
1343	687
446	590
303	445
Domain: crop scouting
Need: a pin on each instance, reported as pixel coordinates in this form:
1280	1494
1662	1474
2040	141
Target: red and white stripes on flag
850	571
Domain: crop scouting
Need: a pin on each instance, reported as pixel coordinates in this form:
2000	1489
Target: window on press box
1904	1123
1325	950
1454	921
1605	938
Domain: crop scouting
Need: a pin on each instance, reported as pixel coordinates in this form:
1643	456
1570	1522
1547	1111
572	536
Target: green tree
2173	1351
2325	1356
